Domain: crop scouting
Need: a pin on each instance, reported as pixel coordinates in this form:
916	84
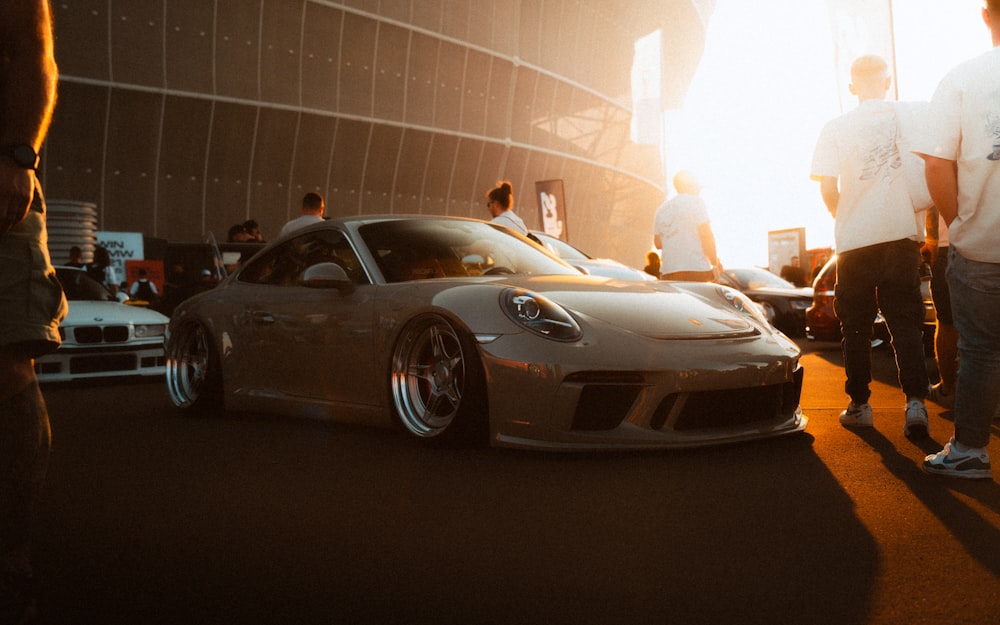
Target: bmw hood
657	310
84	311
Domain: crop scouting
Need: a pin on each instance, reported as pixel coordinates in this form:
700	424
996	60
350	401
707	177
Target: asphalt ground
150	516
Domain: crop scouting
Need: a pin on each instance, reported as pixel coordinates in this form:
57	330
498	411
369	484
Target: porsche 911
457	329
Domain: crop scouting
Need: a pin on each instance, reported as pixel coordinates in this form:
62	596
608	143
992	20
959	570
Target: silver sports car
457	329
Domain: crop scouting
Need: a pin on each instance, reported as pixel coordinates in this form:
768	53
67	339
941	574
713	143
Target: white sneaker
857	415
973	464
916	419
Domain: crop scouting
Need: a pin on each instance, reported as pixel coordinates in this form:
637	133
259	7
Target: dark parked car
821	318
782	303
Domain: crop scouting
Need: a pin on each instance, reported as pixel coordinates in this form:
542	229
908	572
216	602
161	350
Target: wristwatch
22	154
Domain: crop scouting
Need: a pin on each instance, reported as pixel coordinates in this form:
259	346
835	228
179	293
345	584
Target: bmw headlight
144	331
540	315
743	304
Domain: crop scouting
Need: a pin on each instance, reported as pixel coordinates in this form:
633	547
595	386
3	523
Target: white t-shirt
861	149
299	222
677	222
512	220
964	126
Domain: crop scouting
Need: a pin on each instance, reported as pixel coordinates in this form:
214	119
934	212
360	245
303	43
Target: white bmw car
102	337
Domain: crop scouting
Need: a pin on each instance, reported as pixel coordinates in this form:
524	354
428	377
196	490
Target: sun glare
766	84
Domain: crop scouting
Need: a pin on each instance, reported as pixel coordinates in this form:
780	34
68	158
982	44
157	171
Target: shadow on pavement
947	499
160	518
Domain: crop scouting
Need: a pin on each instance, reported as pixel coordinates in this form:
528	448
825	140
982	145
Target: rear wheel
437	383
194	375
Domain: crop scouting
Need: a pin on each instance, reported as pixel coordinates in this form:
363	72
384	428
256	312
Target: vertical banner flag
552	207
859	27
647	72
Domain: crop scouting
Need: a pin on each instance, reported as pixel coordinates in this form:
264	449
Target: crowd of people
881	167
906	183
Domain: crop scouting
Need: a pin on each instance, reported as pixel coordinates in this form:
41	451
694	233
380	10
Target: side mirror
327	276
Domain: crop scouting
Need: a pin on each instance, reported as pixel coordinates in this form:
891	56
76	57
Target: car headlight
145	331
743	304
540	315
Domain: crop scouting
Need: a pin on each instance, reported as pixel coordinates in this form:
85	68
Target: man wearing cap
682	230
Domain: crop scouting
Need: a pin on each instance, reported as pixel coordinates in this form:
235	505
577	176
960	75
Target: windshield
559	247
758	279
417	249
80	287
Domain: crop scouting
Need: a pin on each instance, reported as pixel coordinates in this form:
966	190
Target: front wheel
194	375
436	382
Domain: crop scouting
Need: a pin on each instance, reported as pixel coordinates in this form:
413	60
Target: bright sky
766	85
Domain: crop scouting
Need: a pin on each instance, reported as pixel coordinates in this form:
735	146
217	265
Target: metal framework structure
181	117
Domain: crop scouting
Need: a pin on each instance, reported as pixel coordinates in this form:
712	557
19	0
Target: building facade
181	117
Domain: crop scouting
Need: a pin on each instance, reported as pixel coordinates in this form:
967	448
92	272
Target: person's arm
29	88
708	243
831	193
942	182
931	235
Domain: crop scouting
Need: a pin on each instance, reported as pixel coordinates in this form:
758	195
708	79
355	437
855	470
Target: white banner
122	246
647	72
860	27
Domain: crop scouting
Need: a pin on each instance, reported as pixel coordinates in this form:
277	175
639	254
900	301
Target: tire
194	373
436	383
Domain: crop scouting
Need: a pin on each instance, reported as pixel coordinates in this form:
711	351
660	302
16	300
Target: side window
284	265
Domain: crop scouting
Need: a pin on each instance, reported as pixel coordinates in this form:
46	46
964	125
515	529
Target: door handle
262	317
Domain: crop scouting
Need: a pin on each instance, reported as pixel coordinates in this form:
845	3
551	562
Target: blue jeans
975	304
882	277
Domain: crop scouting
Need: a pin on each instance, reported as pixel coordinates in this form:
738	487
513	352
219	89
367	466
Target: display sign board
122	246
552	208
782	245
154	272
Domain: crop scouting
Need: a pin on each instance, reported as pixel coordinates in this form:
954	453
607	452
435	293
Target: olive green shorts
31	300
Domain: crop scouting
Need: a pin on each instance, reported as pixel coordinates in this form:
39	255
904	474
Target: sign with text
122	246
782	245
552	208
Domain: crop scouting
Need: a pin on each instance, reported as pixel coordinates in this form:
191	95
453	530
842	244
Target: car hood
800	293
85	311
655	309
609	268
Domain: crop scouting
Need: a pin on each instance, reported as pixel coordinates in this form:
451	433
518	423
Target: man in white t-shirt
312	213
860	167
959	146
683	232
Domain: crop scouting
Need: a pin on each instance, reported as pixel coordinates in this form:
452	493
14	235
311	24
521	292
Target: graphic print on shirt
880	157
992	128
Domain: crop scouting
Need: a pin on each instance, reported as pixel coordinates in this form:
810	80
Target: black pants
882	277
